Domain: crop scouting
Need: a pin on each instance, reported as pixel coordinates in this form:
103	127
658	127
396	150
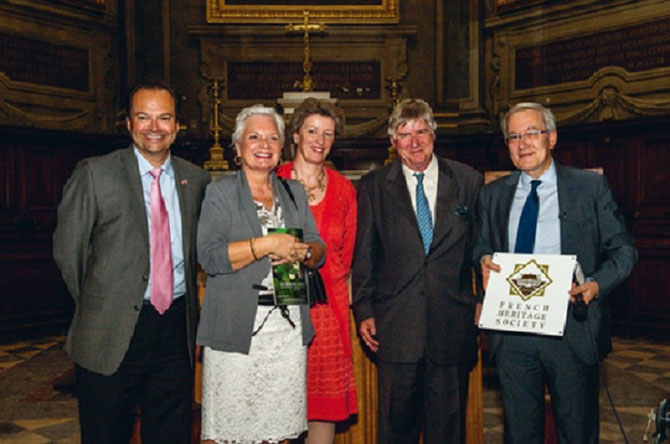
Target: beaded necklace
310	190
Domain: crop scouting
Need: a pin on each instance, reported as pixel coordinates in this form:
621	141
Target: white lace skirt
260	396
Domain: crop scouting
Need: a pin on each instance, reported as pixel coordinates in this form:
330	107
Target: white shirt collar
430	173
145	166
548	177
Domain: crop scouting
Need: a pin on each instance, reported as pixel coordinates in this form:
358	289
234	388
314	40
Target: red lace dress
331	390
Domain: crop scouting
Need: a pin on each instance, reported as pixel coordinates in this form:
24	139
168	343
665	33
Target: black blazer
592	228
423	305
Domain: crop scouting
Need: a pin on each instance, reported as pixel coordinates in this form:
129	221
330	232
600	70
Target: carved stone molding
458	47
620	70
265	53
56	76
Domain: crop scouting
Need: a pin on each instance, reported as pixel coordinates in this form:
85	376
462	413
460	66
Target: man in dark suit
575	213
125	245
412	282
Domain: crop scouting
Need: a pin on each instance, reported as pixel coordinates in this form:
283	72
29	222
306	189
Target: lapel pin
184	182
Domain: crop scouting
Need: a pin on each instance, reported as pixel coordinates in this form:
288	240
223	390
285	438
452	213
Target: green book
289	279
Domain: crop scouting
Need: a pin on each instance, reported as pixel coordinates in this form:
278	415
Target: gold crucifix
307	83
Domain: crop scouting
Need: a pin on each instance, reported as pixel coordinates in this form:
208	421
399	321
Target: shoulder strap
288	190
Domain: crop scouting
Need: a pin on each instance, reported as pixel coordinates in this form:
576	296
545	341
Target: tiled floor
31	411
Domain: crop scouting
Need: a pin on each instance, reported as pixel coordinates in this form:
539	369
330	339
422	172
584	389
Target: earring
237	160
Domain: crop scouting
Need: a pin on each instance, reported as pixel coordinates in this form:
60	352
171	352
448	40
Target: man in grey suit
412	282
575	214
133	331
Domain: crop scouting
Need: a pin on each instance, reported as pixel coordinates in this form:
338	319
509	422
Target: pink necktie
161	252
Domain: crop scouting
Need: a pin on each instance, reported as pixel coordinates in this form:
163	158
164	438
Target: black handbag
316	290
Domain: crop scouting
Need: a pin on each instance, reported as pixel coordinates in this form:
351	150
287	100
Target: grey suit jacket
101	245
592	227
423	305
231	302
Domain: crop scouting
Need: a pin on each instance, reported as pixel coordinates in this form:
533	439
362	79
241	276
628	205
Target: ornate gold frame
219	11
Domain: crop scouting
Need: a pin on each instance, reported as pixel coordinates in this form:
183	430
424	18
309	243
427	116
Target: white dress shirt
429	185
169	193
548	232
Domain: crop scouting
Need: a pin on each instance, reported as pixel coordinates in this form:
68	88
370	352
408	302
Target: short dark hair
155	85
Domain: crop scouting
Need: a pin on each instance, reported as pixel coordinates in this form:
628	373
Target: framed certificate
529	294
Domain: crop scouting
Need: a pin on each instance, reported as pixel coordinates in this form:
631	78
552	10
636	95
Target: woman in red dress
331	390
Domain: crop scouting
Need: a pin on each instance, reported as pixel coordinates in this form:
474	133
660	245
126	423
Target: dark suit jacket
592	228
422	305
101	246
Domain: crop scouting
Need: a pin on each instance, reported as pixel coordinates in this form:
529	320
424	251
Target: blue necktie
525	236
423	214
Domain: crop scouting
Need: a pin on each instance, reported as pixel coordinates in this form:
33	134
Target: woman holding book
255	351
331	389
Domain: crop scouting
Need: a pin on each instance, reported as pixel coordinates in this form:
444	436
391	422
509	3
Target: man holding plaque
546	208
412	282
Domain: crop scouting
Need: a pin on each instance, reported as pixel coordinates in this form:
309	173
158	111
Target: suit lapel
185	211
136	198
502	211
566	206
246	202
397	189
446	202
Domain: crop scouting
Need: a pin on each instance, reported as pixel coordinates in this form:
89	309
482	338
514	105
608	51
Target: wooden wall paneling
570	152
31	291
654	193
616	155
650	306
6	183
34	166
39	195
363	427
480	152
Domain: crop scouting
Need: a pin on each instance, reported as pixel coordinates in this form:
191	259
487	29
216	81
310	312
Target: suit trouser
408	389
524	364
155	372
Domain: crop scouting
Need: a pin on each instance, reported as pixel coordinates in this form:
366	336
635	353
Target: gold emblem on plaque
529	280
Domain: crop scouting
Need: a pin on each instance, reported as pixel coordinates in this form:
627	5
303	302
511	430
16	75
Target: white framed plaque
529	294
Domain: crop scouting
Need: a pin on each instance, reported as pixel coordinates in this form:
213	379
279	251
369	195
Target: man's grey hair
257	110
408	110
547	115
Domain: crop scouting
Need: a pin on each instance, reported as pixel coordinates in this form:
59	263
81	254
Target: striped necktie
423	217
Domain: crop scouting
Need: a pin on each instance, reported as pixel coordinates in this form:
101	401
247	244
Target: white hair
257	110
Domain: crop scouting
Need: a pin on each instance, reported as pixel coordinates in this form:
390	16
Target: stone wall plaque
634	48
35	61
54	75
616	71
268	80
